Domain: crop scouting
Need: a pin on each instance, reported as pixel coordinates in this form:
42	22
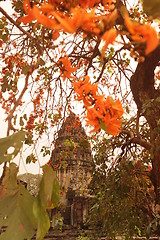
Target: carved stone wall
71	159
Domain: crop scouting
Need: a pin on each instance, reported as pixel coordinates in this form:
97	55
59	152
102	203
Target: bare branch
147	145
20	28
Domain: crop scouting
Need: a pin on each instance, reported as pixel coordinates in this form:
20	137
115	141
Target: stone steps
72	234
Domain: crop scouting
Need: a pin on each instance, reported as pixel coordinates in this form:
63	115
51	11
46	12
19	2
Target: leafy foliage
56	52
3	30
20	210
123	192
16	206
15	141
48	197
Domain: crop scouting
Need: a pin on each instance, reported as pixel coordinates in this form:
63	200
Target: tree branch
20	28
16	104
147	145
142	84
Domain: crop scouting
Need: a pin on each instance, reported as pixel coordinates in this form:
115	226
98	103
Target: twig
20	28
10	115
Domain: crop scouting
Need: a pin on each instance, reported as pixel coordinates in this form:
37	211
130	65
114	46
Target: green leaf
31	158
25	69
42	217
15	118
103	126
25	116
15	141
152	8
21	122
127	110
42	62
48	197
16	206
55	193
49	188
4	37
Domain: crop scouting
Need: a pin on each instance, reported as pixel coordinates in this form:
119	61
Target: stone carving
31	182
71	160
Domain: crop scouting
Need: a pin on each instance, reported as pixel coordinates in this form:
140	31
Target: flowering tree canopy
102	55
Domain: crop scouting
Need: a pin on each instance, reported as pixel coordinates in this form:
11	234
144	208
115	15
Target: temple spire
71	159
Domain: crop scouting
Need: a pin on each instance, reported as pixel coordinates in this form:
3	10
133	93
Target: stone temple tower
71	159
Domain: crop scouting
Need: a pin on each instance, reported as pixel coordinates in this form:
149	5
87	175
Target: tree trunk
147	99
156	168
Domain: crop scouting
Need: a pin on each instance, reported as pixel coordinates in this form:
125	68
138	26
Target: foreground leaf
15	141
42	217
49	188
16	206
48	197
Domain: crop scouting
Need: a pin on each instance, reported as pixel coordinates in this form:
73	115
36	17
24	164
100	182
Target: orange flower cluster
101	112
109	38
142	34
88	3
78	18
66	68
30	123
86	91
54	19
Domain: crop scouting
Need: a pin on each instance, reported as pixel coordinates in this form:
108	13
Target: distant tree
103	53
123	202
